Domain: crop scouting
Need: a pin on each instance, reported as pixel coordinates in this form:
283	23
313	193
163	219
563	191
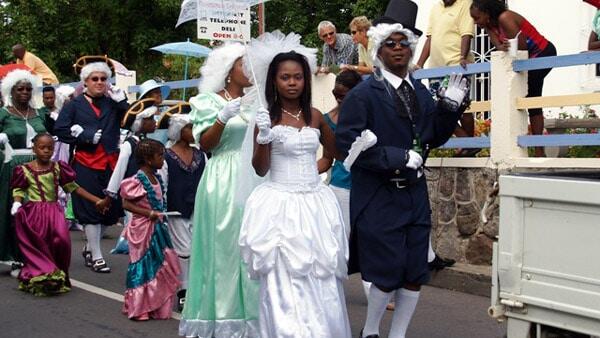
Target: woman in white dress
292	236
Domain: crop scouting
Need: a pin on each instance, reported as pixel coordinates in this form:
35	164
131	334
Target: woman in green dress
19	123
221	300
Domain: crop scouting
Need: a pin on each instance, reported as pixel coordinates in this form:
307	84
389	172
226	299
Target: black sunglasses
393	44
96	79
327	34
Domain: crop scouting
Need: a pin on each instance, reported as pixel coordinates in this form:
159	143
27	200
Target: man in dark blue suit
91	122
389	203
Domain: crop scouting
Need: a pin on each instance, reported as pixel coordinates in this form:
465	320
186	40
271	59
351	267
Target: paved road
96	313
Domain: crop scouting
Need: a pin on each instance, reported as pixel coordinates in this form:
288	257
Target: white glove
456	92
15	208
76	130
263	123
97	136
3	138
116	94
415	160
366	140
231	109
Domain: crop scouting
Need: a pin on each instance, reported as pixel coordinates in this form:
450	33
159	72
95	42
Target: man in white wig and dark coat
389	204
90	122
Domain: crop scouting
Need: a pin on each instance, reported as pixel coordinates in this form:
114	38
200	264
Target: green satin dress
221	301
15	128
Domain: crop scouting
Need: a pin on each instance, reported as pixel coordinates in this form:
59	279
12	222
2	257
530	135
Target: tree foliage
303	16
59	31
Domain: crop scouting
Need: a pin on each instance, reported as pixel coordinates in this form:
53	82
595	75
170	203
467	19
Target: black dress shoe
439	263
369	336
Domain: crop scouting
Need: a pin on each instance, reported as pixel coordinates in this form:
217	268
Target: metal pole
261	18
185	73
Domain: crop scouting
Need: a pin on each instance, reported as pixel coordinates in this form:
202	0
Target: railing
508	140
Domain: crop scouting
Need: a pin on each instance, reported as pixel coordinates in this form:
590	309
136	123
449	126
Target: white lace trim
231	328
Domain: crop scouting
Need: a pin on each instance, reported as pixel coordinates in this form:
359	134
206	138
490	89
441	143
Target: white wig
217	66
176	123
378	34
263	50
62	95
90	68
14	77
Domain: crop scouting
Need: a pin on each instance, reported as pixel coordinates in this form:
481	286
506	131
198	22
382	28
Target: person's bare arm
212	136
130	206
425	52
593	43
325	162
465	49
327	136
510	24
261	158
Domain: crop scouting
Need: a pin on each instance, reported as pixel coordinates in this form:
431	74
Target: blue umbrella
183	48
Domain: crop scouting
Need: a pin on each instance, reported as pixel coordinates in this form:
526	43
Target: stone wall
457	197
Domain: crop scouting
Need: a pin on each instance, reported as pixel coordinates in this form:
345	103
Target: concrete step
467	278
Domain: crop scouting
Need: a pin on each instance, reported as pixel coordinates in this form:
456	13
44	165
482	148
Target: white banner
218	19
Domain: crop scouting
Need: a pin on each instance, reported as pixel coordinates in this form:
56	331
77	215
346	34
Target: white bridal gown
294	242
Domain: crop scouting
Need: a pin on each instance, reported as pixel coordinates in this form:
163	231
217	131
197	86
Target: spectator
448	43
358	29
338	49
35	63
594	41
49	108
502	25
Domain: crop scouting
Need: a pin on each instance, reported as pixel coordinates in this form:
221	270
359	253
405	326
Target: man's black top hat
403	12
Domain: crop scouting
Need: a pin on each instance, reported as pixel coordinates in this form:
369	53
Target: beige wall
567	23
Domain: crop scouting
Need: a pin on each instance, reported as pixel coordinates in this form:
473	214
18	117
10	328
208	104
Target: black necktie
408	97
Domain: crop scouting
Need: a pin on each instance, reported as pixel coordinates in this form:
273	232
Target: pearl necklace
228	96
296	116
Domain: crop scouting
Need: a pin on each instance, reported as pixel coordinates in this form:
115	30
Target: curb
466	278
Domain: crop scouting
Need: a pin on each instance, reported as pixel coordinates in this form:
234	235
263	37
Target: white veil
247	179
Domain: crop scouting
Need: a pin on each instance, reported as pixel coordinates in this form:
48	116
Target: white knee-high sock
406	302
184	263
366	287
378	300
430	252
92	233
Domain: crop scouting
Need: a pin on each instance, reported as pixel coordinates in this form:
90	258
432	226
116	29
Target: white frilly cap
217	66
176	123
16	76
378	34
263	49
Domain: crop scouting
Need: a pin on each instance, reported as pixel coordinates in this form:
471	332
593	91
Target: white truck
546	263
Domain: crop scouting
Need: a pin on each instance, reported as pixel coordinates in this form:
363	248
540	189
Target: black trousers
535	79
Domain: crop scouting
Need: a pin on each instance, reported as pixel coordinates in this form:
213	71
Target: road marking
108	294
101	292
96	290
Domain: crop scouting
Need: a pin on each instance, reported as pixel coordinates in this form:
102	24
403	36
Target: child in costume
42	233
143	123
152	275
183	168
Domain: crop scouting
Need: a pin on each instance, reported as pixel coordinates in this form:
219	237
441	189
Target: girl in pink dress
40	225
152	275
